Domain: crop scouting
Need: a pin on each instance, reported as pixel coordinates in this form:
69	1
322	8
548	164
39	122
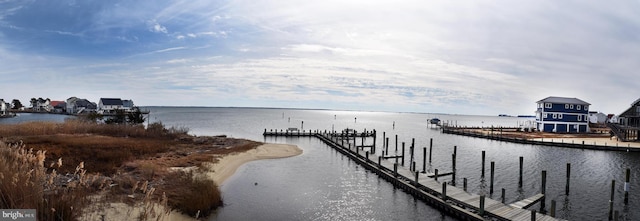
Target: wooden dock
468	131
423	185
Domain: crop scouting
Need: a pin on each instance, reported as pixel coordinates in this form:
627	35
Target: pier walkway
423	185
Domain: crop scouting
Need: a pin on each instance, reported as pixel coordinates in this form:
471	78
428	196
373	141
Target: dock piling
520	176
453	175
613	189
533	215
552	213
626	186
493	165
430	149
481	205
402	154
543	189
416	181
566	188
483	160
464	184
424	160
444	191
503	195
435	172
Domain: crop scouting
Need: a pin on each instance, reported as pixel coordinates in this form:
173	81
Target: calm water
321	184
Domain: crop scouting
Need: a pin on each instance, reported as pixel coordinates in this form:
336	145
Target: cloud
155	27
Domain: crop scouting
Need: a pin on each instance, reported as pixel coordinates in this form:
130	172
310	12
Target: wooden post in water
455	149
503	195
402	154
414	166
374	140
533	215
386	148
396	143
481	205
444	191
543	189
435	172
412	149
520	176
430	149
613	190
566	188
379	161
493	166
626	186
367	155
395	170
416	183
464	184
552	213
453	166
483	159
424	160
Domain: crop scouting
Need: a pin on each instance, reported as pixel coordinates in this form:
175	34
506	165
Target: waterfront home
631	116
597	117
3	107
40	104
78	106
562	115
57	107
109	105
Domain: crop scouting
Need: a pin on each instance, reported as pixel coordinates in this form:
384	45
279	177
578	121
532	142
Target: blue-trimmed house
562	115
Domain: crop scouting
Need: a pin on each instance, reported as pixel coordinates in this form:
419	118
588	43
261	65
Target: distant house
78	106
57	107
109	105
597	117
562	115
3	107
127	105
41	104
631	116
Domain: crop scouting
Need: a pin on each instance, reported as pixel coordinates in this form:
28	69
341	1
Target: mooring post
455	149
367	155
379	161
402	154
483	160
533	215
357	149
413	148
543	189
396	143
552	213
520	176
503	195
430	149
613	189
374	140
416	183
481	205
395	170
444	191
453	163
435	174
386	148
493	166
413	164
615	215
464	184
626	186
424	160
566	188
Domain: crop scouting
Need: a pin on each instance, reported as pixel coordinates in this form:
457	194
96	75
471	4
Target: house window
571	107
578	107
555	116
566	106
547	105
544	116
586	108
586	118
559	116
579	117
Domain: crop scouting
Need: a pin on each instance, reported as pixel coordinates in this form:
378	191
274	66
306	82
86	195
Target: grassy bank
62	168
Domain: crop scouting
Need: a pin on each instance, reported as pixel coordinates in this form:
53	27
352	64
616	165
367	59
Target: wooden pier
422	185
469	131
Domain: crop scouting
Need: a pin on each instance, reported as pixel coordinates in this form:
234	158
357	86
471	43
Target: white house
3	107
597	117
108	105
77	106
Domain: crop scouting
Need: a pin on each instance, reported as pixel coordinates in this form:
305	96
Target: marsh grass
128	164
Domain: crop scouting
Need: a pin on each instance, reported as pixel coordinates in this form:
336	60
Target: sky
474	57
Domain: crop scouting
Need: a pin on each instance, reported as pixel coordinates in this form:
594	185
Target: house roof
631	111
58	103
563	100
111	101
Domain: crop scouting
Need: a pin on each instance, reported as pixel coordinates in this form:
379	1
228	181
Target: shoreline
227	165
219	172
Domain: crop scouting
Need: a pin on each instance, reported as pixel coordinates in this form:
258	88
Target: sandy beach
227	165
220	171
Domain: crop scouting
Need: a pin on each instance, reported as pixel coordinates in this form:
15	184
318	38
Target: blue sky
464	57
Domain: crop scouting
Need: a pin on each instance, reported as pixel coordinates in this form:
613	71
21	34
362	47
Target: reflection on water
321	184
